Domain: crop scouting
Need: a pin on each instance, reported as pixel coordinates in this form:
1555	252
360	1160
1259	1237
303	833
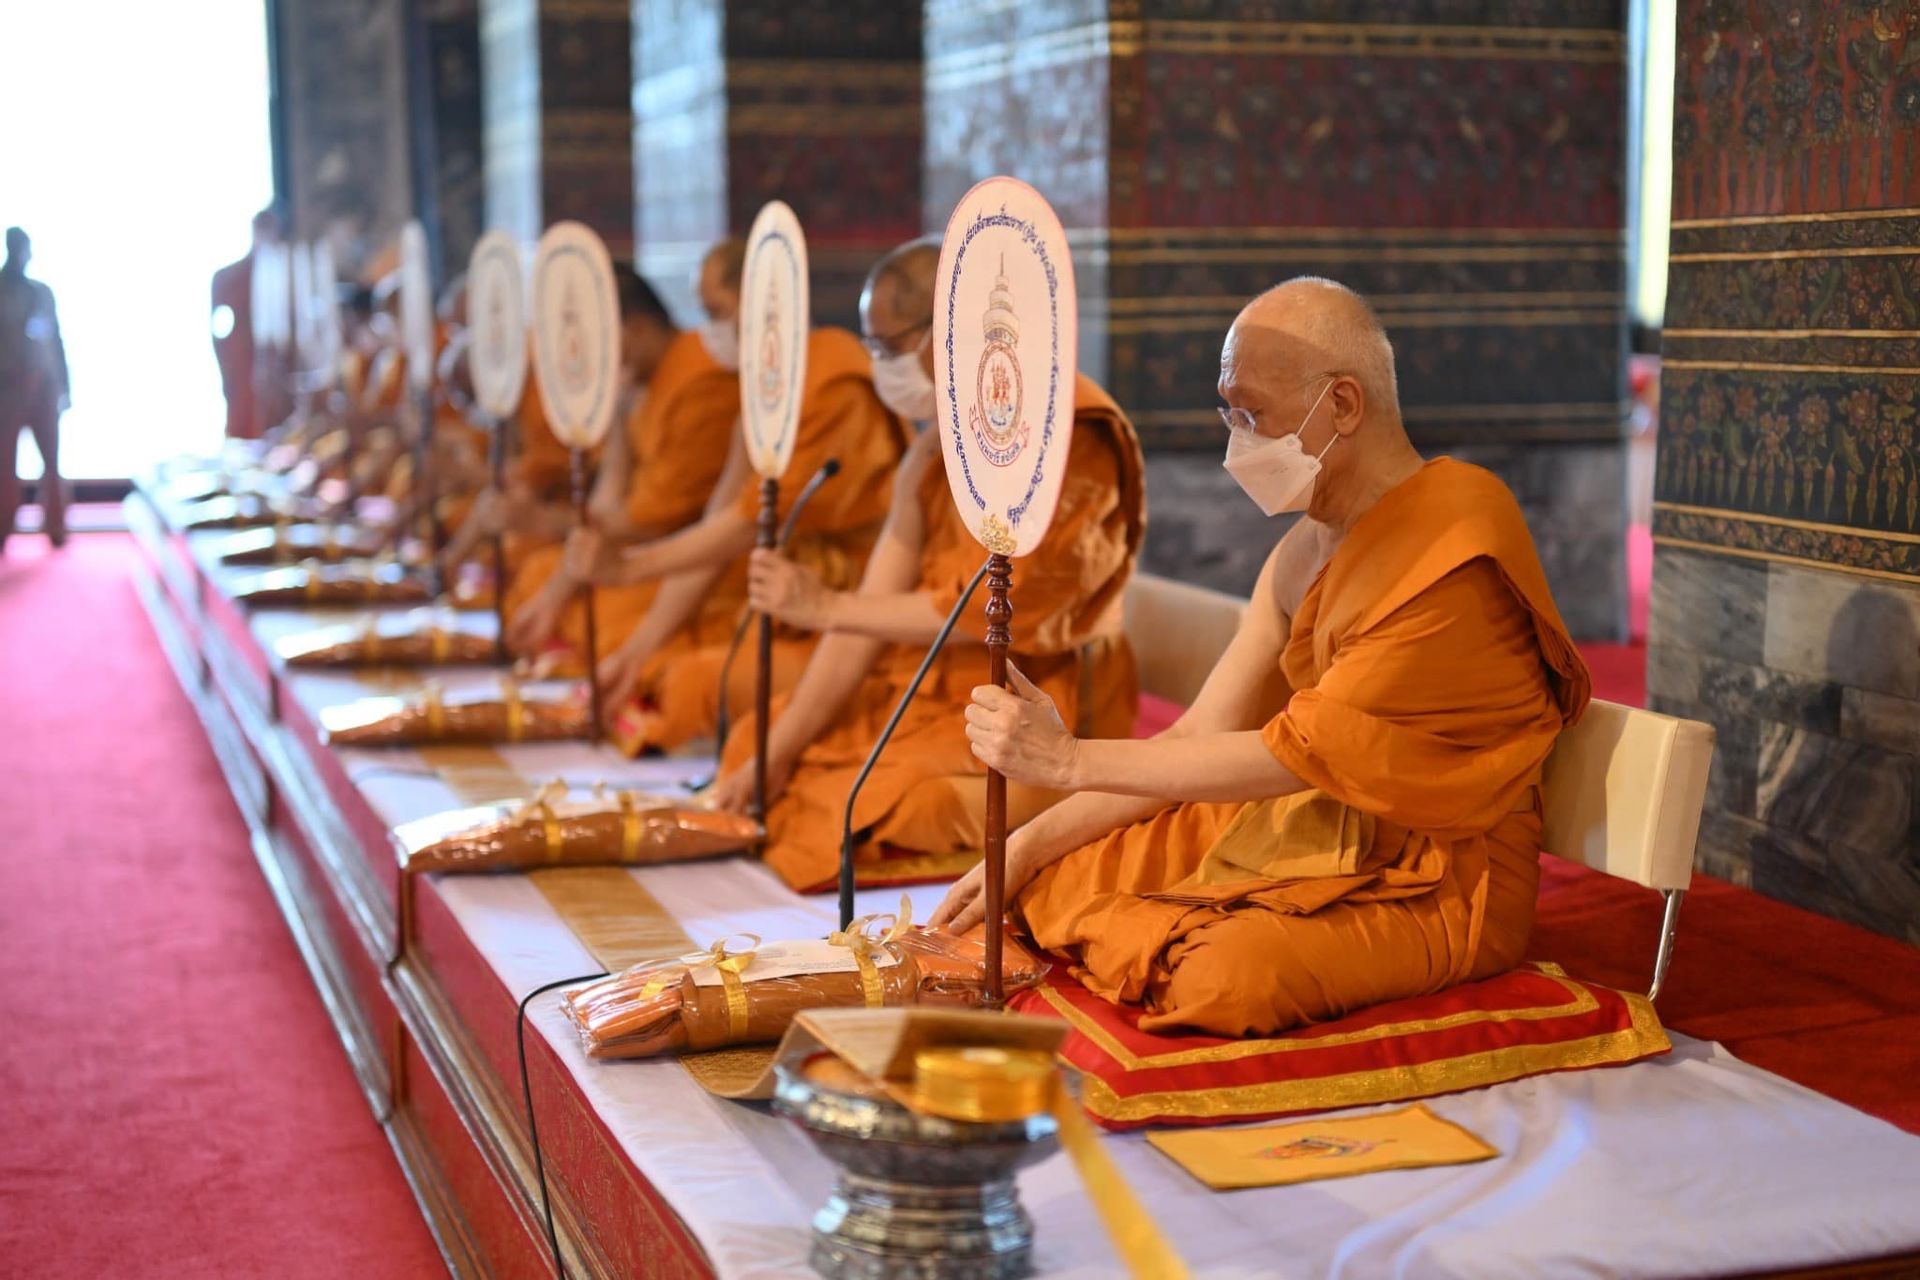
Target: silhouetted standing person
34	391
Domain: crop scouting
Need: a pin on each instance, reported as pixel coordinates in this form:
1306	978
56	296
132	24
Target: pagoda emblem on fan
771	381
575	374
999	390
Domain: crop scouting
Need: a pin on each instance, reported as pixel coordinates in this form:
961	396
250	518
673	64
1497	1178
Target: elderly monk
665	600
1350	811
1066	625
670	395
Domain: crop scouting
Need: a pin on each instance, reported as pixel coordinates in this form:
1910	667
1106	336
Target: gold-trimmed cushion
1532	1020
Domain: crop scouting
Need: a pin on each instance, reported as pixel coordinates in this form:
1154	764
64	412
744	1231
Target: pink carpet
177	1103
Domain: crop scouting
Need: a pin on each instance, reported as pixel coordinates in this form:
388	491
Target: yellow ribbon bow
861	938
728	964
541	807
516	708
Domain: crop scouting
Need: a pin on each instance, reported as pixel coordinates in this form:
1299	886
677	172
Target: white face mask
1276	474
903	386
721	338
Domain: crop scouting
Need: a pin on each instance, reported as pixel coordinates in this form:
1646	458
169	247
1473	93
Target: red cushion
1155	714
1527	1022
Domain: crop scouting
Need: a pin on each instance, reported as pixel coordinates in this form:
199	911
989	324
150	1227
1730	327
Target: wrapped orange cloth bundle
415	640
626	828
359	582
432	717
953	967
286	543
726	996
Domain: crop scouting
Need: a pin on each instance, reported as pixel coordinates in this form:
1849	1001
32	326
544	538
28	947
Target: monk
1350	811
1066	599
671	601
231	315
655	473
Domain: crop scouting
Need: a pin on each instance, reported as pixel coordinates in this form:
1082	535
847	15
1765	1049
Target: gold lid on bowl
984	1085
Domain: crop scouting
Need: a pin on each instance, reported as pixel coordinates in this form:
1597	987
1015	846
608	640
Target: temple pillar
558	121
1458	164
1786	588
814	102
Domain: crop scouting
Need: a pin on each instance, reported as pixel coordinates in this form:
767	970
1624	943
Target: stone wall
815	102
555	80
1786	592
342	89
1458	162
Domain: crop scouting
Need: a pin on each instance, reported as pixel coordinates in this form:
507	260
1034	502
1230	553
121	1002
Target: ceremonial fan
576	352
774	320
497	360
1005	328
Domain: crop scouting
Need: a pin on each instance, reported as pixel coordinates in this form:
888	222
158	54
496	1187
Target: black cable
893	722
533	1130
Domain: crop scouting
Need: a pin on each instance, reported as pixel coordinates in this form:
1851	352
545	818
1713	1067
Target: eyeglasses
1243	419
880	346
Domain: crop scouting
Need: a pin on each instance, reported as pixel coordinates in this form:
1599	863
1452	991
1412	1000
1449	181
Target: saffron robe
677	436
1067	599
840	417
1430	674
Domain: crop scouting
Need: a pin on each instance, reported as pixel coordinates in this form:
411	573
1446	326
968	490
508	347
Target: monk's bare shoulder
1291	568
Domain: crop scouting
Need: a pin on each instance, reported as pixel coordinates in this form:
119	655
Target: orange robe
1430	674
1067	604
677	437
841	417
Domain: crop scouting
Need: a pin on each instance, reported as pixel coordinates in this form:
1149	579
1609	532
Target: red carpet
177	1103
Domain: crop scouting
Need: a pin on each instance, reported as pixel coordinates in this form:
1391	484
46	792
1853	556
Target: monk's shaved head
717	281
1309	326
899	289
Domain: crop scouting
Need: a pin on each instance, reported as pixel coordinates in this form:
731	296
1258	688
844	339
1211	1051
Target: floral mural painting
1792	381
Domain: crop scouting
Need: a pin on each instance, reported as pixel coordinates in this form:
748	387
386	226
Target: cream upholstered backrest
1178	632
1623	793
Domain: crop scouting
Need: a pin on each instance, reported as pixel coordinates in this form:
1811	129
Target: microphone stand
879	745
498	458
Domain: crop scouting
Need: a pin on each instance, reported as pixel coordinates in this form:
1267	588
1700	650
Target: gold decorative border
1769	219
1765	366
1750	517
1775	557
1583	1001
1783	255
1787	335
1643	1038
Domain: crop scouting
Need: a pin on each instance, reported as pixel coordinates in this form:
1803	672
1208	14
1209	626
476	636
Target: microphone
880	743
828	470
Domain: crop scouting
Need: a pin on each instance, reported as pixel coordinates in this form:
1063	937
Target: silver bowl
916	1197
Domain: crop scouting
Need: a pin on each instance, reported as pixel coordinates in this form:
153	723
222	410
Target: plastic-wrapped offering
249	512
416	639
287	543
474	718
734	994
357	582
730	995
953	967
626	828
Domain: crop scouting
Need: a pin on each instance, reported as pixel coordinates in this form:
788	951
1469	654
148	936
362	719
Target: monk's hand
788	591
620	672
966	902
534	622
1019	732
733	792
587	555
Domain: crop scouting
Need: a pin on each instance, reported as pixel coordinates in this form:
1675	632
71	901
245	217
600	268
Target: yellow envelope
1308	1150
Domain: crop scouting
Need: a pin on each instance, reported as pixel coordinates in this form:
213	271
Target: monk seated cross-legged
668	606
673	402
1350	811
1067	599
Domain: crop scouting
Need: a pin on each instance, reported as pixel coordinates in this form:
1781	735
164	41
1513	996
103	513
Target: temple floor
177	1101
